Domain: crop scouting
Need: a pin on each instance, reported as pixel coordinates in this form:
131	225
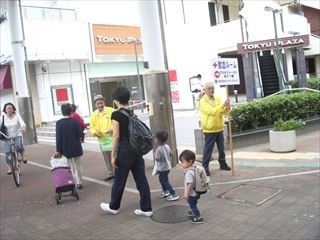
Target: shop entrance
107	85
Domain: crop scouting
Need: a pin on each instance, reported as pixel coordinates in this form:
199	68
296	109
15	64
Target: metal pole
136	56
277	50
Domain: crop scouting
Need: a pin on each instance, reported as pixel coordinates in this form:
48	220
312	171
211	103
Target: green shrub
313	83
264	112
291	124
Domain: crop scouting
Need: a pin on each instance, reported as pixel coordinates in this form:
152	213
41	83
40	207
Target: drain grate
251	194
171	214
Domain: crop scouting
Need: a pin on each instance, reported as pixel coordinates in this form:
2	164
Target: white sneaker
164	194
105	207
172	197
142	213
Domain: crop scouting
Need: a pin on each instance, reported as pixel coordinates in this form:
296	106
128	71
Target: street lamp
279	68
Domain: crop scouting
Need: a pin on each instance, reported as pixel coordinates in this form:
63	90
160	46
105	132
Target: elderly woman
16	127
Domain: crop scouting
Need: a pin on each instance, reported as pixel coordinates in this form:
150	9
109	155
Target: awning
5	77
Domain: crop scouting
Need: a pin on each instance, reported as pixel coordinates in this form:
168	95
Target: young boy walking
187	159
162	157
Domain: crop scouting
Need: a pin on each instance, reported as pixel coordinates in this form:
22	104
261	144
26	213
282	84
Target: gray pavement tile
32	207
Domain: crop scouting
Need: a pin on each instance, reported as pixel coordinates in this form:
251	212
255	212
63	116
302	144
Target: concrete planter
282	141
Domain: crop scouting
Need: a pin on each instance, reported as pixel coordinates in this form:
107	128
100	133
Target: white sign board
226	71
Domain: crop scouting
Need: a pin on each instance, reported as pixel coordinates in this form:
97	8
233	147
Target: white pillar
154	52
152	39
17	49
20	63
289	63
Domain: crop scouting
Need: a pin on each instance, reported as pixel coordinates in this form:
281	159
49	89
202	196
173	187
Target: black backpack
140	136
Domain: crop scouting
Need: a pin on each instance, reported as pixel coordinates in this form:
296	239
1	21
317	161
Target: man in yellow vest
101	126
212	110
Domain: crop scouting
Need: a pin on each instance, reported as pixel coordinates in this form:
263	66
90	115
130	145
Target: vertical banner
175	95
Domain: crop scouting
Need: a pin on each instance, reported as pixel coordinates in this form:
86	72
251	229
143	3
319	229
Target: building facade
71	59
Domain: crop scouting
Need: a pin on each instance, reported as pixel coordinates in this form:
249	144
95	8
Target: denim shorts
19	147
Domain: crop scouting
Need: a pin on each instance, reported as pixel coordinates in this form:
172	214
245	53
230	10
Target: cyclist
14	123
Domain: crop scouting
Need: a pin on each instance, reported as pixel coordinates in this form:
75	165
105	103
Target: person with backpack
162	157
187	159
124	160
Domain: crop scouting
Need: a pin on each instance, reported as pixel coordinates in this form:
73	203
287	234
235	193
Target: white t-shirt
13	124
163	153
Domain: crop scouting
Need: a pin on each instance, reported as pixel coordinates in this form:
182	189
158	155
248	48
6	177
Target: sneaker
172	197
225	167
196	220
105	207
191	214
164	194
142	213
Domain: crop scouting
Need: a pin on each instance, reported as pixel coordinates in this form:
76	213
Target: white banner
226	71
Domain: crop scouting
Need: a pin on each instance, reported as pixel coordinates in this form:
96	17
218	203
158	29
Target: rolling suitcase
63	180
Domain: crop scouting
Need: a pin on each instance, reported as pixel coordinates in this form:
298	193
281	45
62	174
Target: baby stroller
62	179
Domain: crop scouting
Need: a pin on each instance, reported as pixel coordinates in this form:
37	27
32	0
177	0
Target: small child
162	157
187	159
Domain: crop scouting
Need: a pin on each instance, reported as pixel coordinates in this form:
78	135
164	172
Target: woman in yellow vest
101	127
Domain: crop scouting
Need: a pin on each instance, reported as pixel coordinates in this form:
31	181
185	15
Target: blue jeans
193	201
164	181
209	140
19	147
126	162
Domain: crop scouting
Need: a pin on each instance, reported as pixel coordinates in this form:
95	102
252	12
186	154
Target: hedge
264	112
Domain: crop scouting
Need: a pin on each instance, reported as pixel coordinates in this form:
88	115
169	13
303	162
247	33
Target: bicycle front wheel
15	169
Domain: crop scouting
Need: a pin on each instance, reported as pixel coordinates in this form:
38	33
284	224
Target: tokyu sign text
110	39
289	42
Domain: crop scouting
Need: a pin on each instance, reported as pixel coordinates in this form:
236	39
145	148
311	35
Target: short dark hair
162	136
122	95
188	155
73	107
5	106
66	109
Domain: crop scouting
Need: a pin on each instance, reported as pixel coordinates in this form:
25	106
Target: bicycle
13	155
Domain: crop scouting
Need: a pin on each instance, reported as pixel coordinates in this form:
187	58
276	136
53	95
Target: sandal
9	173
25	161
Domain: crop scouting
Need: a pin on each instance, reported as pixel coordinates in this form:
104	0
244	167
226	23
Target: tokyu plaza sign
288	42
111	39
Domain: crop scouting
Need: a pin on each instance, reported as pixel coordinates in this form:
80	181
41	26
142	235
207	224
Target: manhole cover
251	194
171	214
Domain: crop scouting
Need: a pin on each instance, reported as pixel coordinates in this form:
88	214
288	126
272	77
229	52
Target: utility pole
21	73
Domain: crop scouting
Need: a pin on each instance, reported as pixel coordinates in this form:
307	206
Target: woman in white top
14	124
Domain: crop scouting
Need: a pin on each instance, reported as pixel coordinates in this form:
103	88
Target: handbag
106	143
3	129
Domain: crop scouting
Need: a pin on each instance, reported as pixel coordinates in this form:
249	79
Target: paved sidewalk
273	196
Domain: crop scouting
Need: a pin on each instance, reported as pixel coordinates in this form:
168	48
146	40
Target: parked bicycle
13	155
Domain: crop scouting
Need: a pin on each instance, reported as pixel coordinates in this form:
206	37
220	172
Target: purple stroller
62	180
